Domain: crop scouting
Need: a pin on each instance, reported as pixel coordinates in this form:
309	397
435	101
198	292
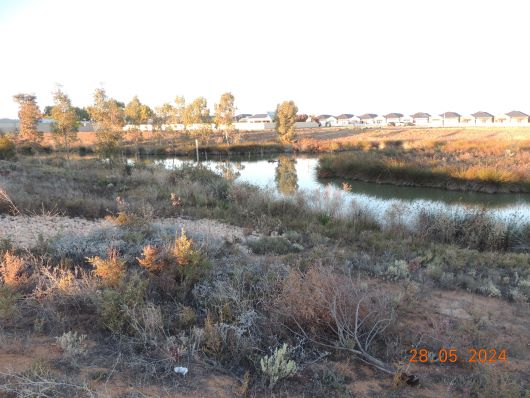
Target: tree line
109	116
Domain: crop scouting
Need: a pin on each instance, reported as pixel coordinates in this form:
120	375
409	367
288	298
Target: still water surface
286	174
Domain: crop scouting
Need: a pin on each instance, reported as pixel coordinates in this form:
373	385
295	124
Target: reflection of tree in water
286	178
230	170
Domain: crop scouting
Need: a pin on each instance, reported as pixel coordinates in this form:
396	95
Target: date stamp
452	355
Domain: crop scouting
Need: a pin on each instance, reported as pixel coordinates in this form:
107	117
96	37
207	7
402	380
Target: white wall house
513	118
260	118
393	119
380	121
327	120
347	119
450	119
482	118
368	119
420	119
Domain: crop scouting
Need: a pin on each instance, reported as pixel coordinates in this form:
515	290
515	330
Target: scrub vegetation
306	299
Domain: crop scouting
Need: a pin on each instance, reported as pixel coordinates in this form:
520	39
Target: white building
348	119
327	120
420	118
368	119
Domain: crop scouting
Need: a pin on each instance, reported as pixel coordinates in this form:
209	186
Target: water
287	175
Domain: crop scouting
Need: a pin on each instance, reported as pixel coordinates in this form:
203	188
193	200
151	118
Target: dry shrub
332	310
176	269
150	259
183	250
111	270
11	270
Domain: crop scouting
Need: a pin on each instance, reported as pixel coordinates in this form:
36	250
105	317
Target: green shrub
7	147
272	245
277	366
129	293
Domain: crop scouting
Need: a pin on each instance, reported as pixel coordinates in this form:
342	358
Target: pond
288	174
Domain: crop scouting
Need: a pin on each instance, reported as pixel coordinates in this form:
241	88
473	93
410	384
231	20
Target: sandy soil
24	232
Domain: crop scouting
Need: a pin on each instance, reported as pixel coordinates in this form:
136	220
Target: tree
29	115
108	118
65	119
136	114
196	112
285	120
224	114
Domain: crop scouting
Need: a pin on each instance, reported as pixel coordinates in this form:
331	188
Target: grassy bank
130	302
465	166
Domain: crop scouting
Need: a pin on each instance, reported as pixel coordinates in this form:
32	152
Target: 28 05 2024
452	355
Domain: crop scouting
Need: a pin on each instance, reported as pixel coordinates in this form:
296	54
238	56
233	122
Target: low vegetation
461	165
308	301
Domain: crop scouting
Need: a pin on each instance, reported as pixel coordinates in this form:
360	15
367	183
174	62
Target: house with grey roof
368	118
482	118
260	118
420	118
450	118
327	120
513	118
393	119
347	119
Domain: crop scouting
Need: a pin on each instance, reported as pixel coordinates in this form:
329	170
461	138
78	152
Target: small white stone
181	370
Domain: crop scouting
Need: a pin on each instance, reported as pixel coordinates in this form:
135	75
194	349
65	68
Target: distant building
450	118
368	118
347	119
512	118
420	118
393	119
260	118
327	120
482	118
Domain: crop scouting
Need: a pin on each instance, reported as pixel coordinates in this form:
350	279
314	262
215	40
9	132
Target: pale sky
328	56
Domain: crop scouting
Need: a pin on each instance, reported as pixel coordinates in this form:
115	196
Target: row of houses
513	118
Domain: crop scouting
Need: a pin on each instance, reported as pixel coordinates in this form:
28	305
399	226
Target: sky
330	56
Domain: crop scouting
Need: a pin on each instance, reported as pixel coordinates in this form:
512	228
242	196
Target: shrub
150	259
115	302
111	270
72	344
271	245
7	147
11	268
277	366
8	301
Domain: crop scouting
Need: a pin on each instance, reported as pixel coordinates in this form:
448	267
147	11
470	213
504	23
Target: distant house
406	120
327	120
482	118
467	120
420	118
242	117
347	119
393	119
512	118
380	120
450	118
260	118
368	118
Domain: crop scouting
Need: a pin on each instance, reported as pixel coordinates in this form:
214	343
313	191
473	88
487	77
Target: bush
277	366
11	270
8	301
272	245
72	344
7	148
110	270
116	302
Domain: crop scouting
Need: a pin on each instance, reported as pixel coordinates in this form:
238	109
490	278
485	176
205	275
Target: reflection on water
287	174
